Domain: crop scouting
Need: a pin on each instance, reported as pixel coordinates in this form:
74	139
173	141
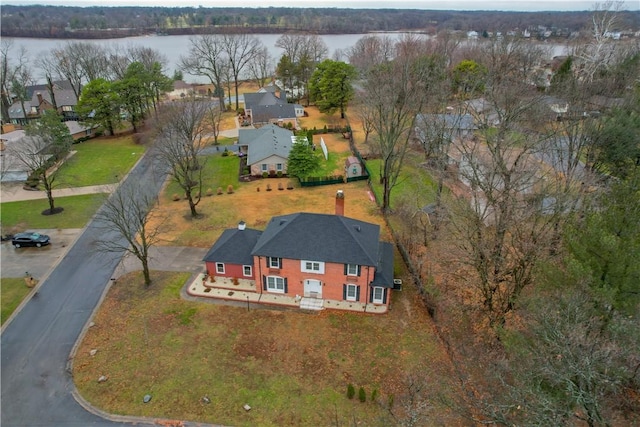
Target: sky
506	5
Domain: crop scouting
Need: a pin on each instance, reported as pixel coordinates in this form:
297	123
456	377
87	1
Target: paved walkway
15	192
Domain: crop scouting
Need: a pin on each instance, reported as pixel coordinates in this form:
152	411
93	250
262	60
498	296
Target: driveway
37	262
37	343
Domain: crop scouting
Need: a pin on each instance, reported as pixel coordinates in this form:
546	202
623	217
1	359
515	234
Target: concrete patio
224	288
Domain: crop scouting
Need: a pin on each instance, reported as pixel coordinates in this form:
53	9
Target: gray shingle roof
384	269
269	140
234	247
252	100
320	237
266	113
450	121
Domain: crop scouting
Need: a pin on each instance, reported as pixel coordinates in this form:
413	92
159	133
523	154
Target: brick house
319	260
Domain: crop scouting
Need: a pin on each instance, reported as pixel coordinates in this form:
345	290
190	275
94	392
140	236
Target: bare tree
206	58
240	50
597	54
371	51
392	96
12	70
181	133
45	144
128	212
261	68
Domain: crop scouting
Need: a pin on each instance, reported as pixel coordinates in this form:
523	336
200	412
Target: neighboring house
448	127
556	106
265	107
65	101
267	148
79	130
11	169
321	260
180	90
483	112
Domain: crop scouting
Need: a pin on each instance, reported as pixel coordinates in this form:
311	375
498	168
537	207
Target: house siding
230	270
332	280
271	162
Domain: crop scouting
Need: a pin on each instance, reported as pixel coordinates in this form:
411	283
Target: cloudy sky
513	5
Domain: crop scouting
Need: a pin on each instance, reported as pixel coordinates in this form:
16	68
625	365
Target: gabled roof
266	113
269	140
16	111
320	237
450	121
252	100
234	247
384	270
63	97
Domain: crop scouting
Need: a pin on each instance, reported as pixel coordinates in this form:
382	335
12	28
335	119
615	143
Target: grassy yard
292	368
27	214
12	292
219	171
98	161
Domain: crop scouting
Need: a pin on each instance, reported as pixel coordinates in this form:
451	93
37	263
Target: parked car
29	239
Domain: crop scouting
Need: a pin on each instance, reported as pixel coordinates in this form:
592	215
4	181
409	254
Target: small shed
353	167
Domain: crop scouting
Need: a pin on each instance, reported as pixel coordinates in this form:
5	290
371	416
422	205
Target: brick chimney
39	98
340	203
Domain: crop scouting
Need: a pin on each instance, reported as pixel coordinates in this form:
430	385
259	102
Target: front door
313	288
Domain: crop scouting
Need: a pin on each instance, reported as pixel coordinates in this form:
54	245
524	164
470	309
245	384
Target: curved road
36	386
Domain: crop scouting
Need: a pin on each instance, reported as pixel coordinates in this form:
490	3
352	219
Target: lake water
174	46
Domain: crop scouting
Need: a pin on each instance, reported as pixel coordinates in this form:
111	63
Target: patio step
311	304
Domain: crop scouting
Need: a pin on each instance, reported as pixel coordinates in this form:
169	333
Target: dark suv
30	239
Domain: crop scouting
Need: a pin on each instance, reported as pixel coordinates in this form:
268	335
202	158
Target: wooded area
112	22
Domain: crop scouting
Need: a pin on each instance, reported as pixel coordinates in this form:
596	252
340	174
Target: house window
247	270
312	267
377	295
279	166
67	108
275	284
264	167
220	267
273	262
352	270
351	292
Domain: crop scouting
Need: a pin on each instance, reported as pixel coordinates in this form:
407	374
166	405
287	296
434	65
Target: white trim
351	286
244	271
220	267
378	299
349	273
273	286
278	263
307	266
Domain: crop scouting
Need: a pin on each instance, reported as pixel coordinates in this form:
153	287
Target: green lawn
12	292
100	161
27	214
219	171
414	185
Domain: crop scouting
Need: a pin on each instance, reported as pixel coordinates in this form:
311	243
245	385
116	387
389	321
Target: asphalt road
35	347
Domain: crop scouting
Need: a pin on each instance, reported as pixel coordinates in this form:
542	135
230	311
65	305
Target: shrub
290	186
351	391
175	197
268	187
225	153
265	174
235	281
374	394
245	171
390	402
209	192
362	395
280	186
230	189
279	174
258	189
219	190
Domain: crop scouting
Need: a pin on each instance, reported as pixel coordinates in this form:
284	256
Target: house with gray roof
330	259
443	126
262	108
267	148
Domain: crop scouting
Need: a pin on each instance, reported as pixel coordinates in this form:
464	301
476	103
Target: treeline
113	22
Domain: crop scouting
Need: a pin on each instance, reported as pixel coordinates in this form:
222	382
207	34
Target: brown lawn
292	368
